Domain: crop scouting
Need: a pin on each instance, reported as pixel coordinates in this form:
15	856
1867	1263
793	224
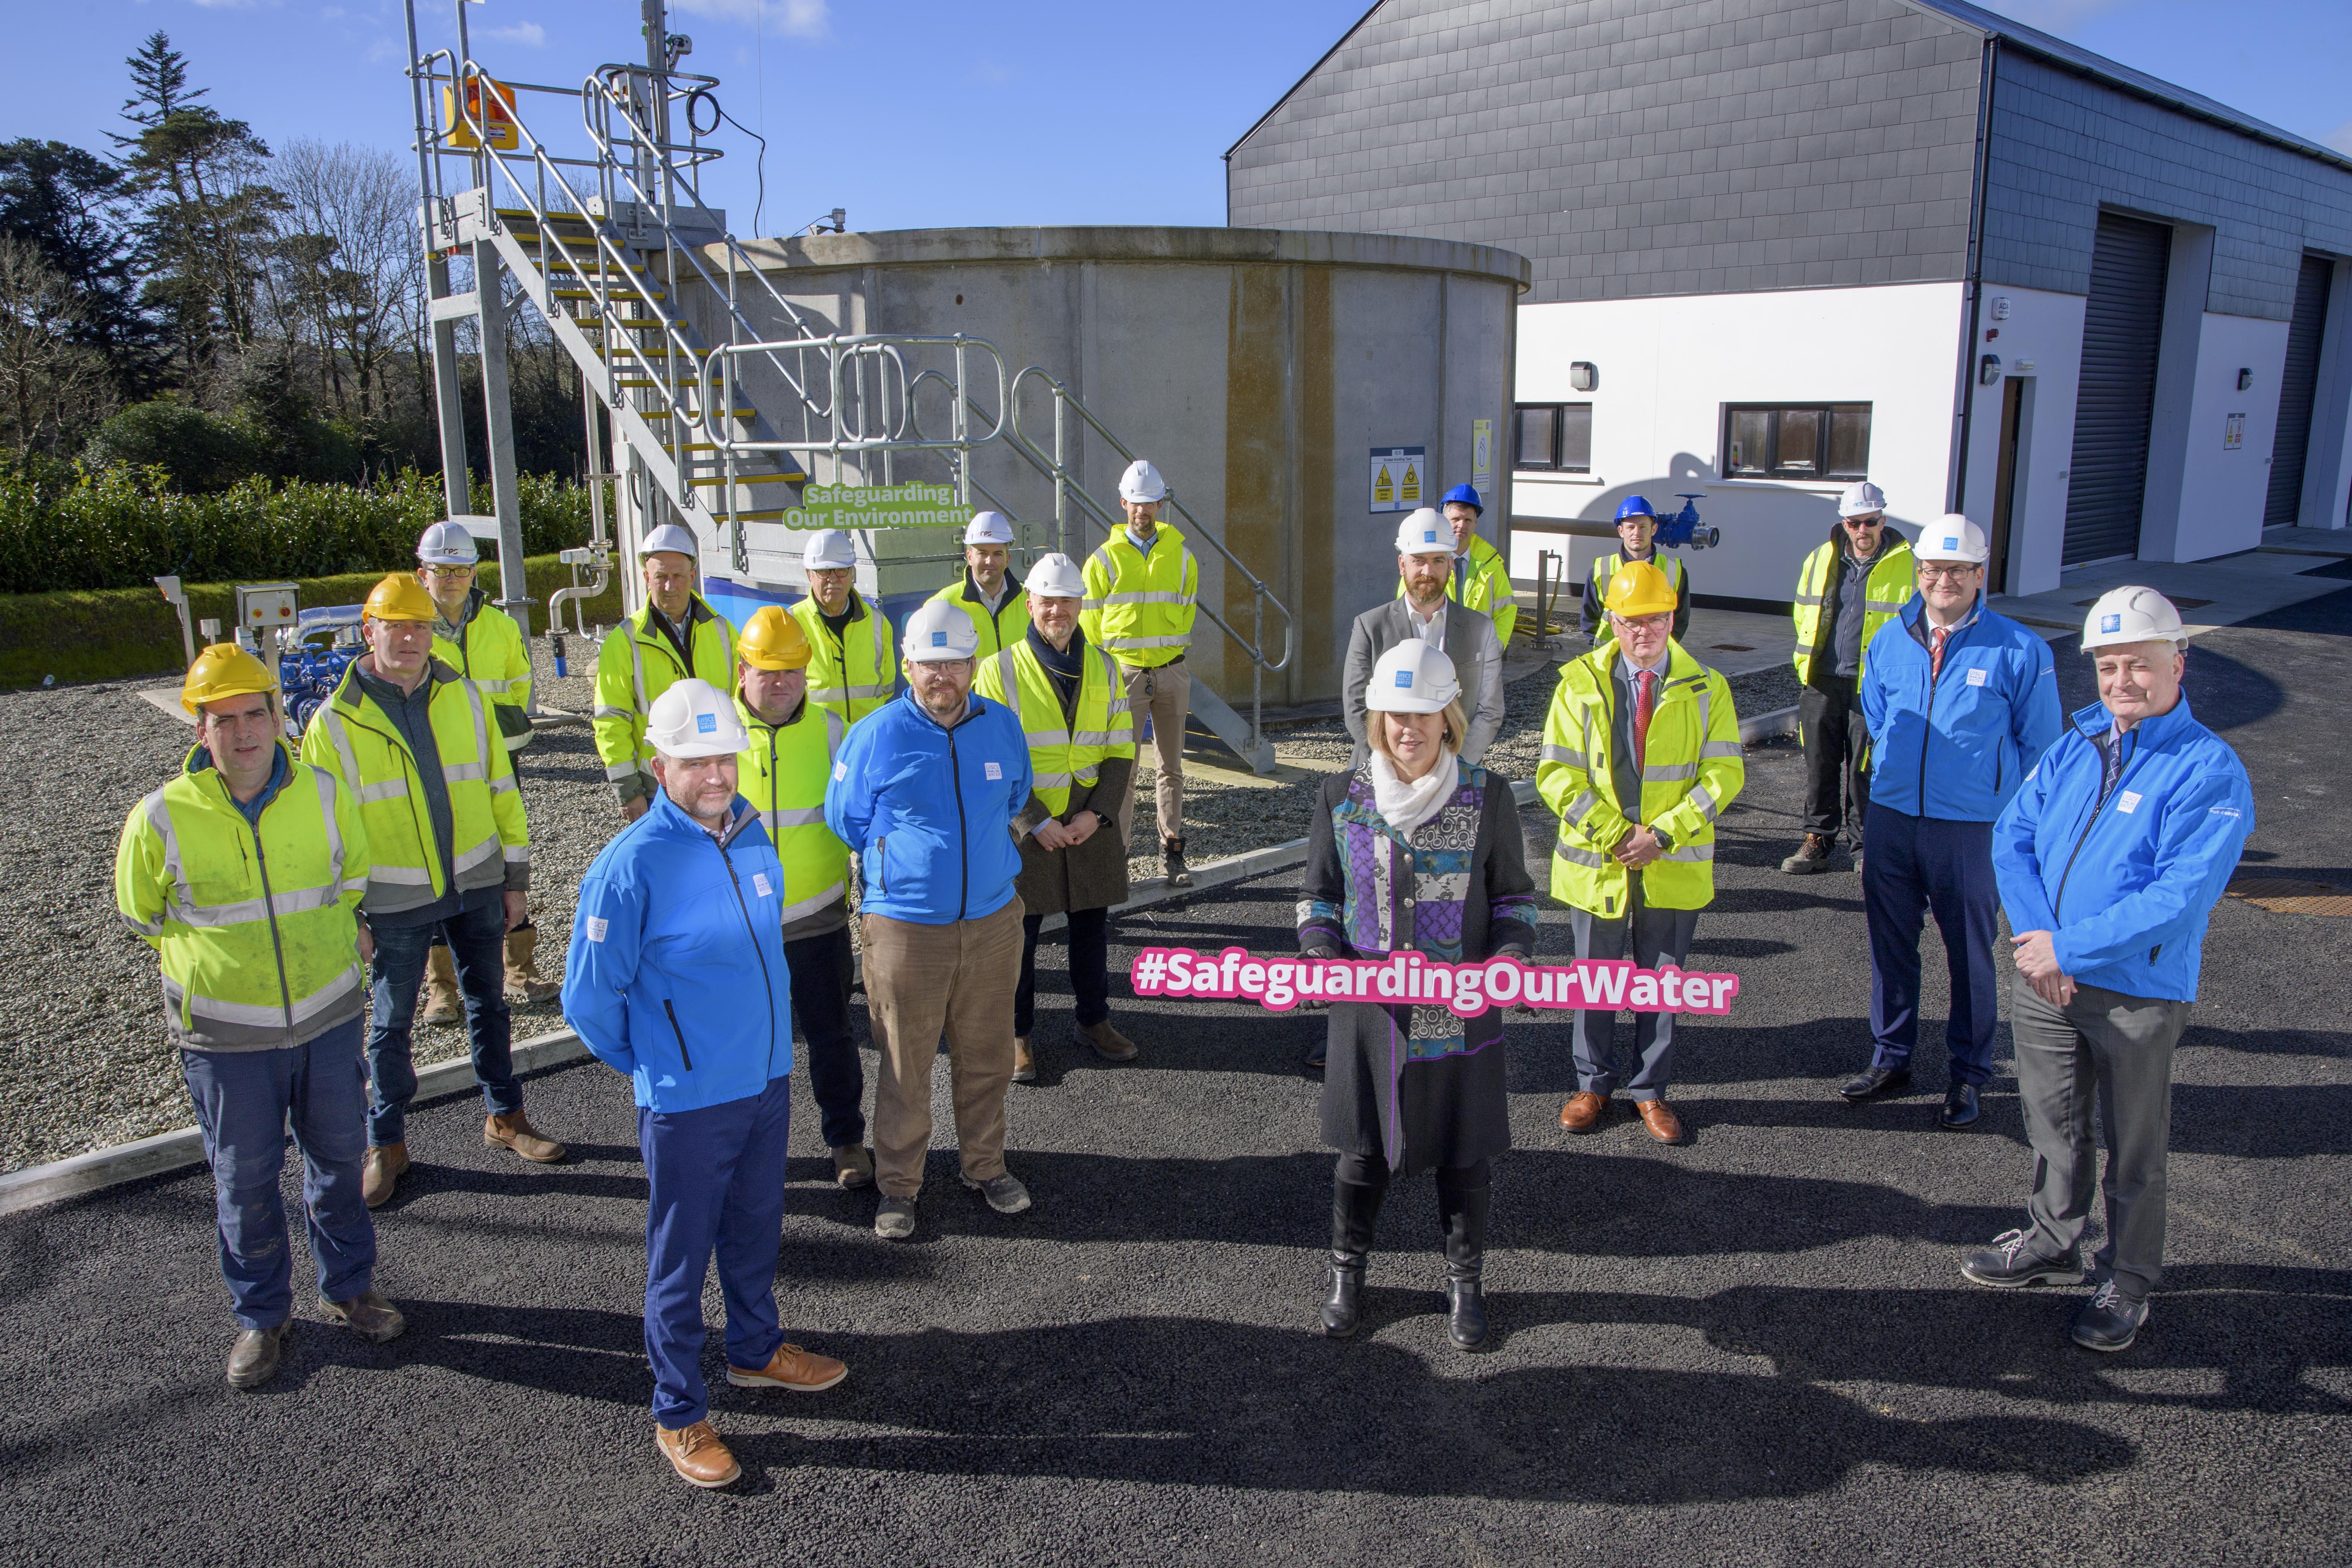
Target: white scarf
1408	806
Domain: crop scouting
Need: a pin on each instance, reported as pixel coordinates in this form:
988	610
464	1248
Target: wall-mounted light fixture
1583	375
1988	371
2245	380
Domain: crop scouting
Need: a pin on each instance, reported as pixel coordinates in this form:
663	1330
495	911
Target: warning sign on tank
1397	477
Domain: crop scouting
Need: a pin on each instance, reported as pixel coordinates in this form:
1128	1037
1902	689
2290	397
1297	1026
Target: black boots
1462	1211
1354	1209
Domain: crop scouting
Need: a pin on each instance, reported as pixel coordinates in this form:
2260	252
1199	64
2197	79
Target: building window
1554	436
1819	441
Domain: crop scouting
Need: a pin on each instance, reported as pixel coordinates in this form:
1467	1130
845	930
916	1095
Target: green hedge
117	634
120	527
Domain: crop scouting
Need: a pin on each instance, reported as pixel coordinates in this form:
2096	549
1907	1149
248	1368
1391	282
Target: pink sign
1468	989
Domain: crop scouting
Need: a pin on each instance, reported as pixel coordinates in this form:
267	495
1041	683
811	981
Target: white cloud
527	33
794	19
2340	137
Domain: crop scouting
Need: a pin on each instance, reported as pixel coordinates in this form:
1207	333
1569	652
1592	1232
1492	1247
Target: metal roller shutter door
2297	384
2123	325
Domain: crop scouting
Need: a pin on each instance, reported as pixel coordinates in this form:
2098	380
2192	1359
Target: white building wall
2041	339
1668	368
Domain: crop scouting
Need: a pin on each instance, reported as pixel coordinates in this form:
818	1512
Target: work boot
515	1132
1107	1042
444	1004
697	1454
1172	861
253	1359
1004	1193
853	1165
368	1315
895	1220
2110	1321
801	1371
2009	1264
384	1167
1462	1214
1024	1060
1811	855
524	987
1355	1211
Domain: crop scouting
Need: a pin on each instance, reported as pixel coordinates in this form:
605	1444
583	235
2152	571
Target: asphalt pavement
1754	1349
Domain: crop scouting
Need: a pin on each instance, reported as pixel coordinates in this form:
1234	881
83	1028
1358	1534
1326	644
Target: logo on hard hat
1951	542
1429	536
1404	679
938	639
2111	622
706	723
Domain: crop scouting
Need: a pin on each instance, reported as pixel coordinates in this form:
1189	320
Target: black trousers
1836	746
1089	934
820	968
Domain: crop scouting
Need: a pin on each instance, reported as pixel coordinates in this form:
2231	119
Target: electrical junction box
266	606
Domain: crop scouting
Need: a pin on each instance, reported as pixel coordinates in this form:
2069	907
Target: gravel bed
83	1059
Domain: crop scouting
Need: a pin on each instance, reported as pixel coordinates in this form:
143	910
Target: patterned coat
1418	1085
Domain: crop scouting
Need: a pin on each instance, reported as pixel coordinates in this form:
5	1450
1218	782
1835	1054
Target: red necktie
1645	702
1936	653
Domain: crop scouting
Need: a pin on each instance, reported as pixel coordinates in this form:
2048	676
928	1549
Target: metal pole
1062	539
498	412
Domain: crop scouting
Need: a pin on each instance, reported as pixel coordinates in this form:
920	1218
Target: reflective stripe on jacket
1488	588
351	739
2124	887
930	810
784	774
676	975
1594	615
490	652
997	632
1954	746
1692	770
636	664
1060	755
1139	609
253	924
851	675
1887	589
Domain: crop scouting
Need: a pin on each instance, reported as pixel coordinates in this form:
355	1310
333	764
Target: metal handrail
883	348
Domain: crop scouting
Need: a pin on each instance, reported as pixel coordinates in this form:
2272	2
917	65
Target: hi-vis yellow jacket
783	774
1885	591
1062	754
1139	609
636	664
855	674
490	651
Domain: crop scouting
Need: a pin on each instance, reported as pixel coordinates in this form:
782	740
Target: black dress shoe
1873	1082
2110	1321
1960	1107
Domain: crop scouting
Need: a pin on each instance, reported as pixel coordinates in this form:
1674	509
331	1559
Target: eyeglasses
1958	572
447	574
1865	523
1644	623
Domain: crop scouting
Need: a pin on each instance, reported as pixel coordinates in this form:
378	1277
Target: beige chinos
924	982
1165	691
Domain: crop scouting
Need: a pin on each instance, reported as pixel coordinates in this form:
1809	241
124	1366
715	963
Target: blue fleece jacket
1955	747
676	972
930	809
2124	887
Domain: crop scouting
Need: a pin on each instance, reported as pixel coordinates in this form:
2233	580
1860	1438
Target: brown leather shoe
253	1359
1024	1060
1664	1124
517	1134
1583	1112
696	1455
368	1315
381	1172
1107	1042
853	1165
791	1367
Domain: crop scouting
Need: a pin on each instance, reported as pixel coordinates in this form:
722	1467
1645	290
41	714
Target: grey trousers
1658	936
2118	1049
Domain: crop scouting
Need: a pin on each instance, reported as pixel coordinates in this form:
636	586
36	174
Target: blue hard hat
1635	506
1466	496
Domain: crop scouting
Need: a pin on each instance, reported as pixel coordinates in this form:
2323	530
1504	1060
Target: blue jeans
715	1181
477	943
1911	864
244	1101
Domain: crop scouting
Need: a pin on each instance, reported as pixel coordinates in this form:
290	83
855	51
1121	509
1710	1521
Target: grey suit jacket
1469	643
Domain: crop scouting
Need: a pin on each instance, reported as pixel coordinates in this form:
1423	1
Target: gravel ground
116	1079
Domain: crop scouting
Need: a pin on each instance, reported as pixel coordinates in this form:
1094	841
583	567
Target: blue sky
914	113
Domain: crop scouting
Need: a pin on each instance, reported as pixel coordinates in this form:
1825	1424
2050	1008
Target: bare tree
350	276
55	384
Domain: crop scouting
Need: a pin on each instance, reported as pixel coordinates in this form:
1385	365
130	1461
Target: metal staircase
716	422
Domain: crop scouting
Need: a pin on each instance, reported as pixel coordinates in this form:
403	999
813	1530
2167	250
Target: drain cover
2293	896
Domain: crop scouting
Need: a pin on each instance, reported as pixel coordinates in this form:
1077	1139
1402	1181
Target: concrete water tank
1260	369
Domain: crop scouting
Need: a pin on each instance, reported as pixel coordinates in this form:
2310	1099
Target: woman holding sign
1414	851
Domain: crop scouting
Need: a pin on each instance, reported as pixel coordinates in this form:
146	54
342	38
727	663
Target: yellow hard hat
772	639
1639	588
223	670
399	598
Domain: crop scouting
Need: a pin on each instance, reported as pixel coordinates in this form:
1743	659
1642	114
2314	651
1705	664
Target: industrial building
1777	244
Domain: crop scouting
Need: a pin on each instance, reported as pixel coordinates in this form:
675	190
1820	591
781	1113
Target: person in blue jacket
1959	701
2110	859
677	978
925	792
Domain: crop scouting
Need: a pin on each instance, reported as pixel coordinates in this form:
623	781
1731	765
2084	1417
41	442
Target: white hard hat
1411	678
937	631
1861	499
989	528
1952	537
2129	615
670	537
1424	533
1055	576
695	719
1141	482
829	548
447	544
